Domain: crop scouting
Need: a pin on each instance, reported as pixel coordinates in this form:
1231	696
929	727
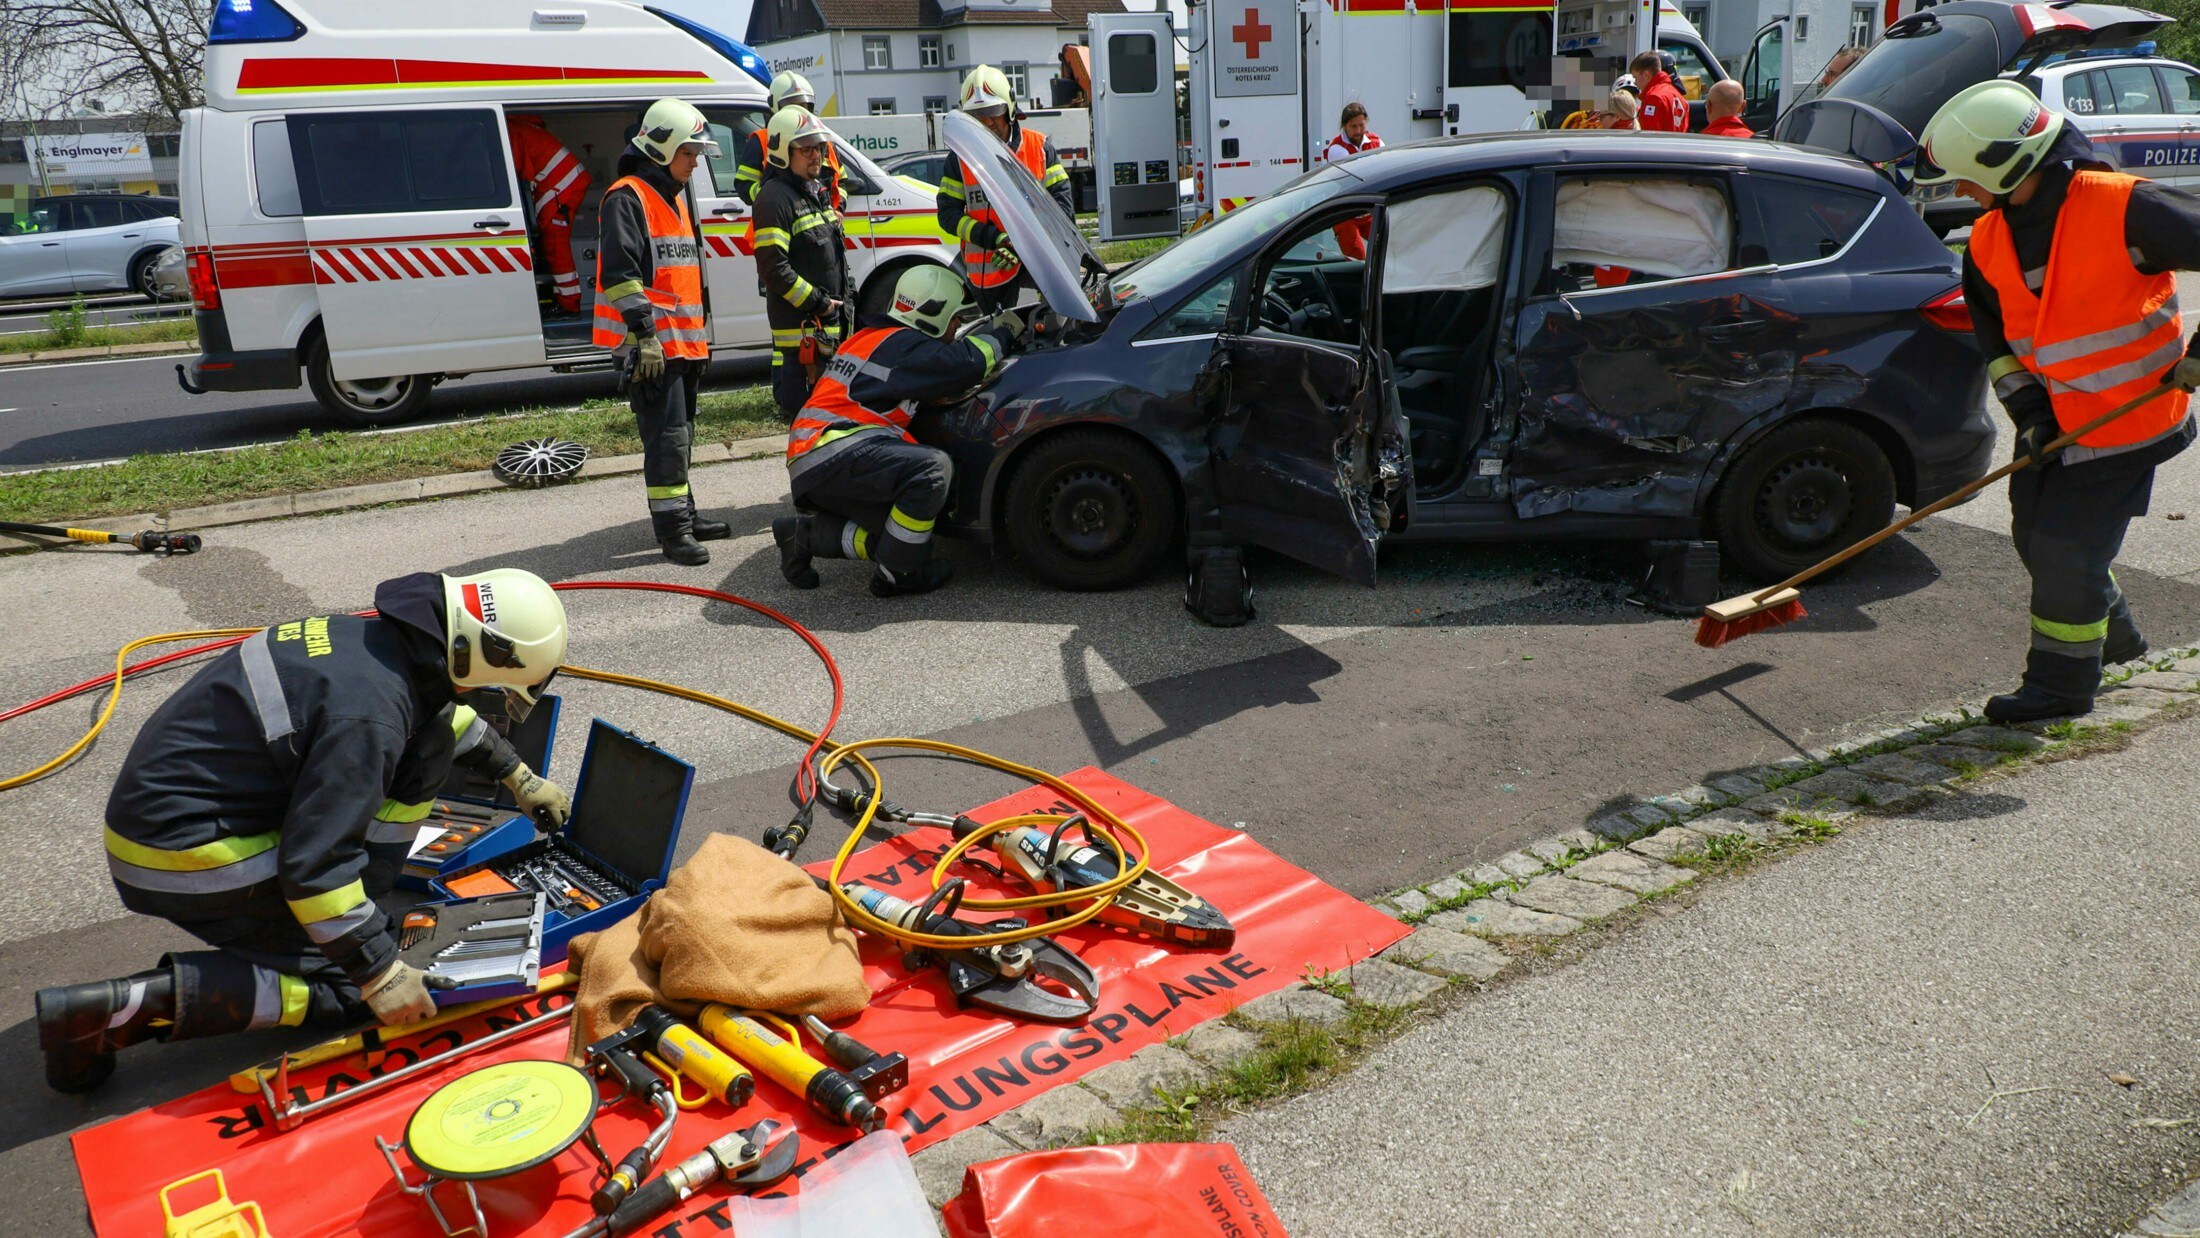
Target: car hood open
1927	58
1050	246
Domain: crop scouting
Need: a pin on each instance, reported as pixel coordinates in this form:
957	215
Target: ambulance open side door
1768	75
1134	123
1497	58
417	236
1248	124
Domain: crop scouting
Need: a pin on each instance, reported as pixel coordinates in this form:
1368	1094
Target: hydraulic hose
1116	834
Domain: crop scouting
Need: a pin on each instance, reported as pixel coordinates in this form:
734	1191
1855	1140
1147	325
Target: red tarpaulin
326	1177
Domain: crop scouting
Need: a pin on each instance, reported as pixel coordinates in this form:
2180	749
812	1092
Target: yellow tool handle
375	1039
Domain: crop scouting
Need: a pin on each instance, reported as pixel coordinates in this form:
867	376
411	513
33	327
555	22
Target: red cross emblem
1252	34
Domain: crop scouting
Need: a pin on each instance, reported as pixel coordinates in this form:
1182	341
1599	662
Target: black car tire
1803	491
1090	510
377	402
141	274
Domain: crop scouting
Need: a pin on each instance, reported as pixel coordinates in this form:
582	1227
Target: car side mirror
855	183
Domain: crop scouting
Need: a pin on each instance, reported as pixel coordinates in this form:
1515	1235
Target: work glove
399	995
649	359
2186	374
539	797
1011	326
2033	438
986	235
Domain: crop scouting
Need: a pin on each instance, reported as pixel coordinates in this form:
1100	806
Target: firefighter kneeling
876	490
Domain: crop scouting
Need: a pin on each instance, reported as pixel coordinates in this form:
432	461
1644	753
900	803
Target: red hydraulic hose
805	778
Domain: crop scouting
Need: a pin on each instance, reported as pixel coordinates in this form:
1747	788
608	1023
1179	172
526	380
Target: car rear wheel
1090	510
1800	493
365	401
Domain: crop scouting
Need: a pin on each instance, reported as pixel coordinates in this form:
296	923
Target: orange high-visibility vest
830	410
676	285
984	267
2098	331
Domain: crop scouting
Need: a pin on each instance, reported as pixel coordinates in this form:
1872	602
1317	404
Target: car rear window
1909	76
1804	221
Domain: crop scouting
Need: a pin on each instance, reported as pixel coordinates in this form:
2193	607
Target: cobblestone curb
1473	924
153	348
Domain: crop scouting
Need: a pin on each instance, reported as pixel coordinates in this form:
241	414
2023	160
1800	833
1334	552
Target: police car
2143	113
352	214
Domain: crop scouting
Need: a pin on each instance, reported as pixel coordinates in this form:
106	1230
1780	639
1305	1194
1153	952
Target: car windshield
1909	77
1181	265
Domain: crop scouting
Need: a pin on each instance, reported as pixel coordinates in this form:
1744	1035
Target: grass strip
1131	251
162	482
164	331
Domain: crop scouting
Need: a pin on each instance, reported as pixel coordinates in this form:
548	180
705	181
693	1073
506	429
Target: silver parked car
87	242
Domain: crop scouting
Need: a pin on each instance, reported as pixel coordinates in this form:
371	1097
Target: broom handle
1958	496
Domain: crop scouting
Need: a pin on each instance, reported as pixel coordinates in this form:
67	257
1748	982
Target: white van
351	211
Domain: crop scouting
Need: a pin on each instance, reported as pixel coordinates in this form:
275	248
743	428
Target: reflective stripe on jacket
675	290
2090	323
551	172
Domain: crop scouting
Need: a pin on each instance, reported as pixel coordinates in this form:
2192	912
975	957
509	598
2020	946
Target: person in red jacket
556	184
1353	138
1722	109
1664	108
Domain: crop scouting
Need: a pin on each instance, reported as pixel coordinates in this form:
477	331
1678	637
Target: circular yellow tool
501	1119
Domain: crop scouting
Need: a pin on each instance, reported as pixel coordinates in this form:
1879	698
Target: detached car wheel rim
1089	511
374	394
1804	502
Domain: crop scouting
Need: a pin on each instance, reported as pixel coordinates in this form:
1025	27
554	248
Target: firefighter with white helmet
265	805
876	491
649	312
988	260
2070	277
788	89
801	255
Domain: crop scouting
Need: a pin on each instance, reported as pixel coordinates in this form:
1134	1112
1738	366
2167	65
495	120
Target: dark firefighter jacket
801	251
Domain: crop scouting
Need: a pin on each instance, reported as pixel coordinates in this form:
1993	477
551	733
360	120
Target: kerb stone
1132	1081
940	1167
1669	843
1564	896
1902	768
1447	953
1636	874
1486	917
1220	1045
1387	984
1055	1119
1298	1005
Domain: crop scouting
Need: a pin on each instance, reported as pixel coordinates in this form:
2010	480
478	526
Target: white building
1823	27
883	57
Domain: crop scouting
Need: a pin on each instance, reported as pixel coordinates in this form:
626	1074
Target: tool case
482	947
615	850
475	816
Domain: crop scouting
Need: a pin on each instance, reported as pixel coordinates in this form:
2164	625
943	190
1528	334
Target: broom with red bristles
1782	604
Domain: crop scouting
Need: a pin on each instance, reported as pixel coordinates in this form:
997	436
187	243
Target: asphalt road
1811	1048
102	410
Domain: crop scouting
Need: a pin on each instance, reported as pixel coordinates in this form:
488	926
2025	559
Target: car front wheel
1090	510
1800	493
141	275
365	401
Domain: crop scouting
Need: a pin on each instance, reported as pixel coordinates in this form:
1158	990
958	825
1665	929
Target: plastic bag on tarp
868	1190
1153	1190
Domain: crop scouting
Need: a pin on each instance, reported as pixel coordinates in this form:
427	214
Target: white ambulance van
351	212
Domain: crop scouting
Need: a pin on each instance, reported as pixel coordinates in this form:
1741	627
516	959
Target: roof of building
772	22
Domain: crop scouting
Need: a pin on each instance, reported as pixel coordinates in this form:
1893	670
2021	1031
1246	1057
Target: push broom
150	541
1782	604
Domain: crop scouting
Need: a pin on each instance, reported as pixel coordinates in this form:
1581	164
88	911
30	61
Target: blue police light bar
252	21
732	49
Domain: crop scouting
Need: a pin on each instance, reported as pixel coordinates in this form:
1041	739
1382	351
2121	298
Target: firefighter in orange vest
2070	281
876	490
649	312
801	256
788	90
555	185
988	262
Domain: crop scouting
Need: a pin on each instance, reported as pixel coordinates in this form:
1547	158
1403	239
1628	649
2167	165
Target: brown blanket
735	924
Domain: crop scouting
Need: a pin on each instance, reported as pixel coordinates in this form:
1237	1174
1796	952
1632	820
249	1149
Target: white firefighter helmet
791	87
670	124
986	92
792	126
929	298
503	629
1992	134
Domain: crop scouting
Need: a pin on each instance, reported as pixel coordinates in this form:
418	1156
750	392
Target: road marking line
42	366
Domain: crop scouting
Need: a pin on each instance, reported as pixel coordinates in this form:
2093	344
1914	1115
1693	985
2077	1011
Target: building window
1019	78
882	107
1802	28
928	51
1860	25
935	103
878	52
1698	15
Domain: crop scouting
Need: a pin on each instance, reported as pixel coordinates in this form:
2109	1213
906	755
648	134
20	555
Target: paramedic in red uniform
1664	108
556	183
1353	138
989	263
1722	109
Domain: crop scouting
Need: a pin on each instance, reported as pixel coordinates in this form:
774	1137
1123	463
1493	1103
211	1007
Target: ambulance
1269	78
352	215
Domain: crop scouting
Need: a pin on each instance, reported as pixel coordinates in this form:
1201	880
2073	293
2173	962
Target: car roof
1399	167
2083	63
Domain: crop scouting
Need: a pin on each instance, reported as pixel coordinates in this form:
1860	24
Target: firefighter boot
923	578
707	530
2055	686
82	1026
676	537
793	535
2124	643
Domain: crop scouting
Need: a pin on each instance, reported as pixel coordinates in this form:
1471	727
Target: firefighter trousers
664	416
877	498
2068	522
263	972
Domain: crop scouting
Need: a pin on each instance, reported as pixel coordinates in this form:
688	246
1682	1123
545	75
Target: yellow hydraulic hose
114	695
